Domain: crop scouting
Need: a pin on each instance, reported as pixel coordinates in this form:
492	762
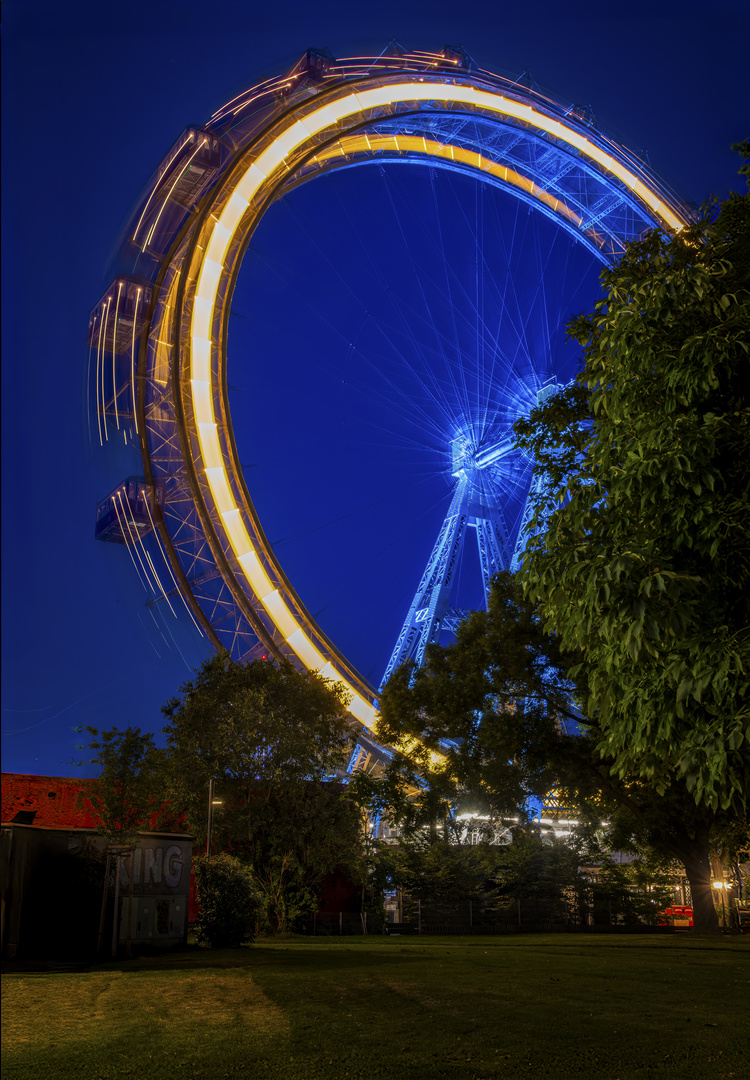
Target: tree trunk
695	858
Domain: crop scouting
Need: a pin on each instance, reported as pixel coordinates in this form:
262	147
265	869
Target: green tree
492	704
295	835
641	561
228	899
630	893
128	791
533	868
515	722
436	868
268	735
251	726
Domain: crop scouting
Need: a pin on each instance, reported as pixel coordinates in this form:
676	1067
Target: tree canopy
124	796
253	725
616	667
640	558
268	735
513	724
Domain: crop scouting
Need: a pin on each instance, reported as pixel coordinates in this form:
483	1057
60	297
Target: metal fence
477	917
327	923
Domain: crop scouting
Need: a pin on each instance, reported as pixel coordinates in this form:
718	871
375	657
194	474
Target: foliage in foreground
641	562
621	674
574	876
229	901
500	696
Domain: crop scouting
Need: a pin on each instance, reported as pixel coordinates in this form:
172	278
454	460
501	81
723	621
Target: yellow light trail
132	360
248	186
254	91
92	326
103	344
156	576
96	382
156	185
135	541
114	353
403	144
168	565
130	546
165	200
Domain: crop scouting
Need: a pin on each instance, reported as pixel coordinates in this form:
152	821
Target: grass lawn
600	1007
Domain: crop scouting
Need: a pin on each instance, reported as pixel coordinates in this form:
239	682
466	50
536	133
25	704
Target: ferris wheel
487	348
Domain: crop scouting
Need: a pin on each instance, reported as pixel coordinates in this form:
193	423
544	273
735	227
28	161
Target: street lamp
212	802
720	886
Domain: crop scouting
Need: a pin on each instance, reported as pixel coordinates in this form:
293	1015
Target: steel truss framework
477	503
158	337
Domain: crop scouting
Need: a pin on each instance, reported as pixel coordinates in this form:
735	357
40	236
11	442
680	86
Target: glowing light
305	650
255	573
103	345
248	186
209	440
156	185
132	360
236	531
157	579
222	495
165	200
203	407
203	311
209	277
419	144
96	383
231	217
274	604
201	360
410	745
121	517
219	242
169	565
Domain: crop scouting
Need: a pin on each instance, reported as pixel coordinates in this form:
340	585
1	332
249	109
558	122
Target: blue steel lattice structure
478	503
158	338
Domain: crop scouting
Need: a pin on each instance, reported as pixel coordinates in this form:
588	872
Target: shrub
229	901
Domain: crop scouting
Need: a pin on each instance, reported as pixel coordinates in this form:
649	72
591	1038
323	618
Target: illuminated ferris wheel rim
337	125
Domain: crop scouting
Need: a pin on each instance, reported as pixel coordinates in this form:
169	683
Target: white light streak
209	272
132	360
156	576
176	154
171	572
114	353
96	381
103	343
131	547
165	200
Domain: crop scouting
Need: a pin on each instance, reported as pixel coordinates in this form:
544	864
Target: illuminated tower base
484	467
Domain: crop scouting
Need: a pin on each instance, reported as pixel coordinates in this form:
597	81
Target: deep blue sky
94	94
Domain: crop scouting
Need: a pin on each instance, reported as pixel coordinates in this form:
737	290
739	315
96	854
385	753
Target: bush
228	899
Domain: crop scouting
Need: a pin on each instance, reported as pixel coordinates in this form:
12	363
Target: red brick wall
59	801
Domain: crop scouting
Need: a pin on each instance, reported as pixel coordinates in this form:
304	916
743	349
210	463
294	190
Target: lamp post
212	802
720	886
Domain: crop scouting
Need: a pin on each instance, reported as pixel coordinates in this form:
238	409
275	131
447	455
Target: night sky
349	481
